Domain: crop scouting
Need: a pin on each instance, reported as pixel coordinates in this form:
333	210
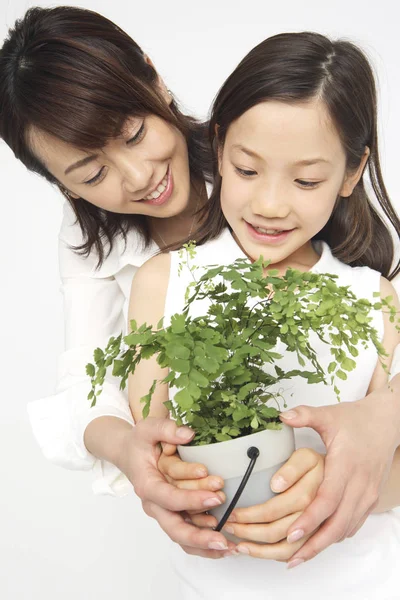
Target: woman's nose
136	176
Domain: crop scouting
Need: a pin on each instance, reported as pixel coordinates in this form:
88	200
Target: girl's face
145	171
283	167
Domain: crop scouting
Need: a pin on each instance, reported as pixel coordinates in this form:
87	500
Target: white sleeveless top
364	567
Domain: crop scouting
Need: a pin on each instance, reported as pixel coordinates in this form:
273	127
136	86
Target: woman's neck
174	229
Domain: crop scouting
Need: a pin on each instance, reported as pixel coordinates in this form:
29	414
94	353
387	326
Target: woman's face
145	171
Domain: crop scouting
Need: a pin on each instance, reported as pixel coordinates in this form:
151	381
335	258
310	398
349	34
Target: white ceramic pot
229	460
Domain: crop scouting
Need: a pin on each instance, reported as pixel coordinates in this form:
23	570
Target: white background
56	539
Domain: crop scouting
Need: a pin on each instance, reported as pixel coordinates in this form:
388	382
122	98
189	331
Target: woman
83	106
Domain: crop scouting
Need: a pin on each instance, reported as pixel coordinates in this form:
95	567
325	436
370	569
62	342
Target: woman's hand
297	482
361	438
138	459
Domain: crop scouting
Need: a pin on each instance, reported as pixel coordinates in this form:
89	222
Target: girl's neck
174	229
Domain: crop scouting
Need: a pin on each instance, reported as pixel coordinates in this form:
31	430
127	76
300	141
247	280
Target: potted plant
223	364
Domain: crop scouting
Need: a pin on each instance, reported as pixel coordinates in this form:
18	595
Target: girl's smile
283	168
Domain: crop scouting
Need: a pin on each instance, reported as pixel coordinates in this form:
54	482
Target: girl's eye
245	172
96	178
307	184
138	135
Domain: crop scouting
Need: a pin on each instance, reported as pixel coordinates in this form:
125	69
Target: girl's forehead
286	128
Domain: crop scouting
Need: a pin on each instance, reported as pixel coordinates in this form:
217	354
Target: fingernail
184	433
217	546
200	472
212	502
243	550
278	484
231	553
295	536
216	484
232	518
229	529
295	563
289	414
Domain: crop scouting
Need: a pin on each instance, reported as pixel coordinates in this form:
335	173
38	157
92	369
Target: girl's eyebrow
80	163
311	161
300	163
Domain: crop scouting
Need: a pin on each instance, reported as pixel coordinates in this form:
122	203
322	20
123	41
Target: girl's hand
190	476
267	524
184	475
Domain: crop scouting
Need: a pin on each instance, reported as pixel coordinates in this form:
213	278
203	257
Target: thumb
154	430
318	418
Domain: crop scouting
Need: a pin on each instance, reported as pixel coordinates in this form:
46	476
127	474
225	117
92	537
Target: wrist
106	438
384	405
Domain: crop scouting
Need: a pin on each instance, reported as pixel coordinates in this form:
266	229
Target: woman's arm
360	467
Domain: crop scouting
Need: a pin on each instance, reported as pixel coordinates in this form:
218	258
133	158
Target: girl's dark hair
74	74
296	67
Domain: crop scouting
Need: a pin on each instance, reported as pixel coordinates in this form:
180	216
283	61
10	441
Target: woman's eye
307	184
245	172
138	135
96	178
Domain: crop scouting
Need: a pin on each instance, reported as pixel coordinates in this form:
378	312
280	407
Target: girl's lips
267	237
162	198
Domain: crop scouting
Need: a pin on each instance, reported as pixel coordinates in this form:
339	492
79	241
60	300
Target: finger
316	417
207	483
270	533
300	463
203	520
154	430
176	468
156	490
327	499
295	499
358	526
168	449
332	531
185	534
282	551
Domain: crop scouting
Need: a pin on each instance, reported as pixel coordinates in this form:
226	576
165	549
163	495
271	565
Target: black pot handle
253	453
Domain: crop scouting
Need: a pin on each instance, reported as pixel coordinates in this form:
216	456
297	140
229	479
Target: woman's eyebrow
80	163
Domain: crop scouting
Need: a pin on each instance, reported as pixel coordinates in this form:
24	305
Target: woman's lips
269	238
165	195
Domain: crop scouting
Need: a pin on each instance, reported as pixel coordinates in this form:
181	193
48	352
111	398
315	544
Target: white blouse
95	305
95	308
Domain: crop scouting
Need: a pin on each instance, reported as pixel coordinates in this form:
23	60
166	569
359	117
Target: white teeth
160	189
268	231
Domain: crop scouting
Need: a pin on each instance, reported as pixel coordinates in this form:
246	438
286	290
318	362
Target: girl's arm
147	304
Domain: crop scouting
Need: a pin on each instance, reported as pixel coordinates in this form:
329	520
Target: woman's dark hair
297	67
74	74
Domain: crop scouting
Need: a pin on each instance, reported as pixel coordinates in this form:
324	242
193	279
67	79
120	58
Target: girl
83	106
293	129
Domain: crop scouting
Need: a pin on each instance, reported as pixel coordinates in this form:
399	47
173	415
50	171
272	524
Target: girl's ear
354	177
165	92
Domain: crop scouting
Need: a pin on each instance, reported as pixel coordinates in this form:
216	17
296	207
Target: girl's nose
270	204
